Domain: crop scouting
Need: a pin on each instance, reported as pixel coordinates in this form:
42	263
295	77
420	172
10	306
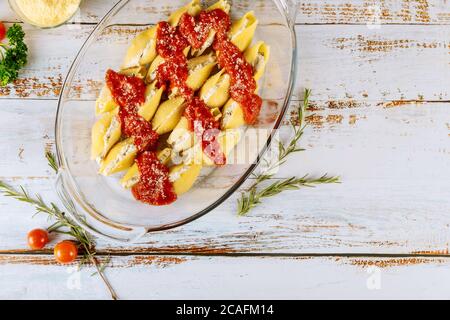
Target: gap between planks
137	252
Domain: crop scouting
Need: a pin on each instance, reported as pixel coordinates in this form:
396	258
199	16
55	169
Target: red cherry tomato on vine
37	239
66	252
2	31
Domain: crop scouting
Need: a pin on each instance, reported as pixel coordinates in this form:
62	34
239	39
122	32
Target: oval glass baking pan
98	203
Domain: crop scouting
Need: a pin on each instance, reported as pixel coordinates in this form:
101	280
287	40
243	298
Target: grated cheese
48	13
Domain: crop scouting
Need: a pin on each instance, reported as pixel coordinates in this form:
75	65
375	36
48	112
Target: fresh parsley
13	55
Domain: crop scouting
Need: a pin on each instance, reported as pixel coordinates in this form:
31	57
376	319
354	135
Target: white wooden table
381	99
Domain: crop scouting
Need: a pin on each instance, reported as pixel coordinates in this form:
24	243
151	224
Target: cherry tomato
66	252
37	239
2	31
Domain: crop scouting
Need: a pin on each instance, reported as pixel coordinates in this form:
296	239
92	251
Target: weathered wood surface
200	277
394	195
346	65
309	11
380	118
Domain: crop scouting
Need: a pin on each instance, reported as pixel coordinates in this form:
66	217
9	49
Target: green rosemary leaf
62	225
51	161
253	196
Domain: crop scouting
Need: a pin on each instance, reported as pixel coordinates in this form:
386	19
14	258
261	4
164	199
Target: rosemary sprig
62	225
253	195
51	160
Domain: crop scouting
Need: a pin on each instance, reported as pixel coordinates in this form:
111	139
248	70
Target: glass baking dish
98	203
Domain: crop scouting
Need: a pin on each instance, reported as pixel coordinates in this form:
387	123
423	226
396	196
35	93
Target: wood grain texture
375	66
309	11
393	199
178	277
379	118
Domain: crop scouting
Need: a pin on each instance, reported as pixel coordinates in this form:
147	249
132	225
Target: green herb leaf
51	159
62	223
14	55
254	195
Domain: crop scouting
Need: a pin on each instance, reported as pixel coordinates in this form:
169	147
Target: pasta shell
233	116
120	158
152	99
228	140
208	42
105	133
199	70
215	91
181	137
221	4
193	9
168	115
183	177
243	30
142	50
257	56
105	101
132	175
151	75
140	72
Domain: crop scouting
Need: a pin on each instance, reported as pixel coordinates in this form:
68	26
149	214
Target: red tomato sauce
230	58
173	72
206	128
129	93
154	186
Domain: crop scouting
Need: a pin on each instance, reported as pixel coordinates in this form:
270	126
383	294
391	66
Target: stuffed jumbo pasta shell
184	176
142	50
107	131
223	5
120	158
152	99
215	91
193	9
168	115
132	176
242	31
151	75
227	141
182	138
199	70
257	56
105	101
139	71
169	112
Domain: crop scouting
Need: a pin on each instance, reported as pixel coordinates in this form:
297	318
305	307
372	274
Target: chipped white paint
179	277
393	158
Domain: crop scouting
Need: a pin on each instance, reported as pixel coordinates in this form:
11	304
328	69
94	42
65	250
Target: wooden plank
199	277
393	161
393	63
309	12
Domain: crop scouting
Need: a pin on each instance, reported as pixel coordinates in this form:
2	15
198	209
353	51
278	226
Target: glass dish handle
290	8
94	223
